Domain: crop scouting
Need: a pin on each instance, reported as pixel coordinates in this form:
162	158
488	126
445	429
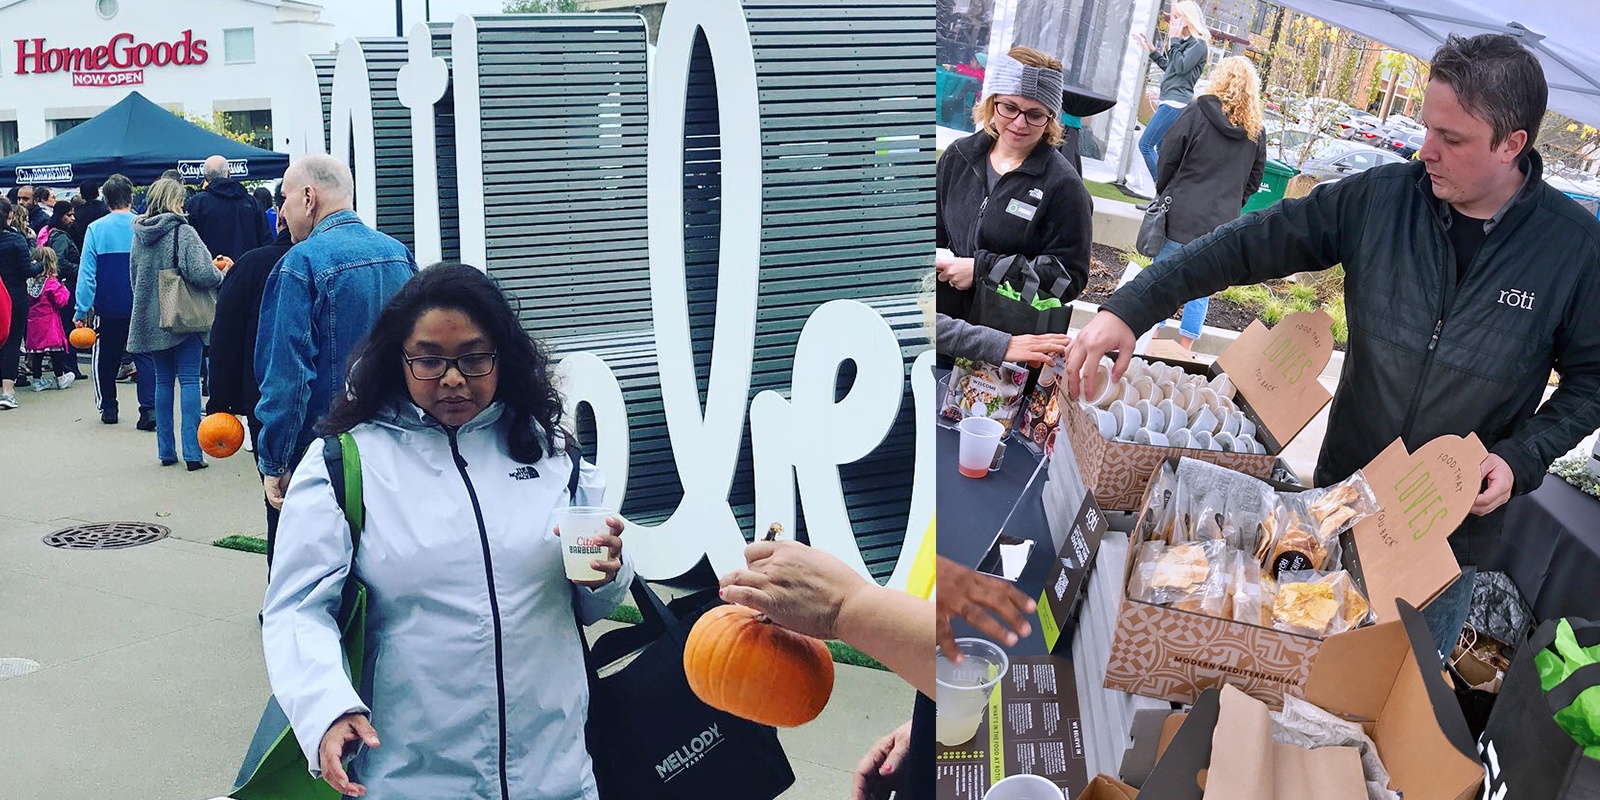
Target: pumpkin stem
773	532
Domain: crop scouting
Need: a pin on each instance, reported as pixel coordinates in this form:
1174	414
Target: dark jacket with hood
1180	67
227	218
85	215
1427	357
1039	210
1206	163
233	338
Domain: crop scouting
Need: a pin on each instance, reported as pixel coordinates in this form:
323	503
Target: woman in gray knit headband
1006	191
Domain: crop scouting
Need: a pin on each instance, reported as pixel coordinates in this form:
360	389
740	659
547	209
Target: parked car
1353	123
1404	122
1405	143
1343	159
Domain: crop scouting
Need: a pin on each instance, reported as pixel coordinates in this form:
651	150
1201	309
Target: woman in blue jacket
474	682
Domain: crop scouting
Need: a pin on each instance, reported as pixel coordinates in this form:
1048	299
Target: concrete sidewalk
151	679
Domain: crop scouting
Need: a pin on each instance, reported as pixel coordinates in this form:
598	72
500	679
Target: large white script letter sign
351	121
420	84
705	442
816	434
469	142
584	378
300	117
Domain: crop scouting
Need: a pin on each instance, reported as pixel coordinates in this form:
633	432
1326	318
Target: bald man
320	300
225	215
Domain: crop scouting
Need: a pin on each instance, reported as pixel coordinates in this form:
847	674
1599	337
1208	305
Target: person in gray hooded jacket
163	239
474	682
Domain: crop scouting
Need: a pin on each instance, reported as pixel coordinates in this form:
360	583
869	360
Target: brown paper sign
1424	496
1276	370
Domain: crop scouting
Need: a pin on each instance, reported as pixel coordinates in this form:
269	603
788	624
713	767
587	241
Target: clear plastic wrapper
1182	569
1211	596
1155	519
1210	516
1295	543
1251	603
1317	603
1144	564
1306	726
1337	508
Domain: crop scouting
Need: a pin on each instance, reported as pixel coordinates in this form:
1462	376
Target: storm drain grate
15	667
106	535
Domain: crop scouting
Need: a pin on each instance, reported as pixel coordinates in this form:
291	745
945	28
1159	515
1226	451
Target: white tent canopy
1563	33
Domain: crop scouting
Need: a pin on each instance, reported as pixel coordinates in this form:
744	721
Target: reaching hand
345	731
978	598
878	775
1500	483
955	271
1144	42
801	588
1104	333
1037	349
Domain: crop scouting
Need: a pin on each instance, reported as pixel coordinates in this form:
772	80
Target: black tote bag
1016	317
651	738
1526	755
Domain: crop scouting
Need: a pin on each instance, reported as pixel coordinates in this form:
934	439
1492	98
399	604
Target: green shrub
1341	327
1272	311
1246	296
1302	295
1136	257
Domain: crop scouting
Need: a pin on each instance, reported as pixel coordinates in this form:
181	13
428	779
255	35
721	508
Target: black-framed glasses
432	368
1035	118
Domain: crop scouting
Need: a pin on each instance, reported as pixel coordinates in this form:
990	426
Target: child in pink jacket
45	334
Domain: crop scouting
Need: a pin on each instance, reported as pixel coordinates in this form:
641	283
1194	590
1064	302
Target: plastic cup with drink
964	689
581	527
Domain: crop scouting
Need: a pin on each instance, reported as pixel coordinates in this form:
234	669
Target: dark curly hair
377	367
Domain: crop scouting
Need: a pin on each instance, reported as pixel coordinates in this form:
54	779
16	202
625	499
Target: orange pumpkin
742	663
82	338
221	435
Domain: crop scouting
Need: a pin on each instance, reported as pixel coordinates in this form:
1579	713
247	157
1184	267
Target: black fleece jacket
1039	210
1427	357
1207	163
233	336
228	219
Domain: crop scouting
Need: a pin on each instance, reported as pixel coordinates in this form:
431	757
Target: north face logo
1037	194
524	473
689	754
1516	298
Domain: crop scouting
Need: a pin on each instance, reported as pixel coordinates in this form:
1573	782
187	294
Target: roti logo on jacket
689	754
1516	298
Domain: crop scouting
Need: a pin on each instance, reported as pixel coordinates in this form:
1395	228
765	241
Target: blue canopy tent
140	140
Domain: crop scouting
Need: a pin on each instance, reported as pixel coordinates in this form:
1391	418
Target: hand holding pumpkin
799	587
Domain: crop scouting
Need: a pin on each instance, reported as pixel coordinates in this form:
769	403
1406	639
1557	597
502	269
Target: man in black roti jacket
1467	279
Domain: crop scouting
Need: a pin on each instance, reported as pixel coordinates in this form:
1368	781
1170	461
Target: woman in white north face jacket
473	683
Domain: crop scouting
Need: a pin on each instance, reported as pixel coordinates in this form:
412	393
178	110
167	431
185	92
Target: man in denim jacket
320	301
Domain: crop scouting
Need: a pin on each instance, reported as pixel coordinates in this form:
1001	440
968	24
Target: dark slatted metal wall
848	154
391	134
564	102
444	137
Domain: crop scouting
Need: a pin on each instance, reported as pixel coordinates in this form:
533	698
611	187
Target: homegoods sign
119	62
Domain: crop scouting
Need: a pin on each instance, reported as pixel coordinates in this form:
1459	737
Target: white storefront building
63	61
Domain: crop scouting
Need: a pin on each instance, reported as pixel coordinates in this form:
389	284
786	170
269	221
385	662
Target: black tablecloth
971	512
1551	548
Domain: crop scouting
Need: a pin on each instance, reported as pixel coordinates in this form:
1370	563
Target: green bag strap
343	459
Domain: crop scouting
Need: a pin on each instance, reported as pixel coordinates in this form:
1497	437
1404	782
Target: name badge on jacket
1017	208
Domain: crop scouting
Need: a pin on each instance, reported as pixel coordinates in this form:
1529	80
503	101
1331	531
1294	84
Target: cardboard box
1384	677
1032	727
1275	372
1105	787
1403	552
